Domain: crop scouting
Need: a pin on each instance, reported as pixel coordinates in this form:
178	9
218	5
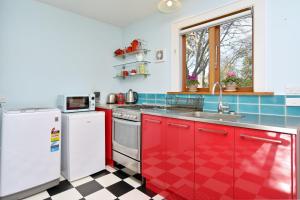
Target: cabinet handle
153	121
179	125
260	139
221	132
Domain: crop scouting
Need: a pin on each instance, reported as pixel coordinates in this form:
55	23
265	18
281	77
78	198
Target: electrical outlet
292	101
2	99
292	90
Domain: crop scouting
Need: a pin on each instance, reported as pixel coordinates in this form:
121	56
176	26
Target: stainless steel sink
217	116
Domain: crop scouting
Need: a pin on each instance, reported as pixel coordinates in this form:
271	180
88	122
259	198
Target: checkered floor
109	184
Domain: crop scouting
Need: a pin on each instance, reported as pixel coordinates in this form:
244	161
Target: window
217	48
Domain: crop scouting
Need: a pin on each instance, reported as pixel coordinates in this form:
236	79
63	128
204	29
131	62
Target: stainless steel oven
127	142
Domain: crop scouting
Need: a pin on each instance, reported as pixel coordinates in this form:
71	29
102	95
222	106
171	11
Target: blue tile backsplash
248	108
267	105
249	99
278	100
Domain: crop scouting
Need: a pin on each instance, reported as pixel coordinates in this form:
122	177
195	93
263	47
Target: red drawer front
214	156
180	162
153	147
263	165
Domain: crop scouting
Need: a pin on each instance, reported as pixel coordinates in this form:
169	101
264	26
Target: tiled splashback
267	105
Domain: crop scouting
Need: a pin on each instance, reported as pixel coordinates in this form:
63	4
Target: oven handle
124	121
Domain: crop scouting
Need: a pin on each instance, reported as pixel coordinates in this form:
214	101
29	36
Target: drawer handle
221	132
260	139
179	125
153	121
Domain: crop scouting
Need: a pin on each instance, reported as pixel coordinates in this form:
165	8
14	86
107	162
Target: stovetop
140	107
133	112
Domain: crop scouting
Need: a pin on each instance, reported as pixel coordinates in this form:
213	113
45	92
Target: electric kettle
131	97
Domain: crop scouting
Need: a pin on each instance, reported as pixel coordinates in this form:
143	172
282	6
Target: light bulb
169	3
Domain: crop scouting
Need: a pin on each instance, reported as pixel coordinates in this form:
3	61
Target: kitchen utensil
111	98
140	56
120	98
135	45
125	73
129	49
131	97
119	52
97	97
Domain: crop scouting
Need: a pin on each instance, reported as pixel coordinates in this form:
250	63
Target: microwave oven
76	103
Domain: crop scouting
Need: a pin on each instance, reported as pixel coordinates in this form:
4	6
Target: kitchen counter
280	124
107	106
273	123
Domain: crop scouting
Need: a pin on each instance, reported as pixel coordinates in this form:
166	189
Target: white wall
283	44
282	47
45	51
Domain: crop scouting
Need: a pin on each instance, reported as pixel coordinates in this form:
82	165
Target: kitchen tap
221	107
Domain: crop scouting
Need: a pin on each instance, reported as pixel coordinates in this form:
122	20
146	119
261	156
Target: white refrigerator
83	144
30	151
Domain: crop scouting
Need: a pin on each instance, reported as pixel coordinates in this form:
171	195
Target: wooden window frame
214	56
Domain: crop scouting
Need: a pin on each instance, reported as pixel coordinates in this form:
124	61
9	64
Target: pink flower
231	74
193	77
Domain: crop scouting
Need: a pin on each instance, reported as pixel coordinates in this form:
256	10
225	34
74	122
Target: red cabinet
192	160
214	157
108	135
153	147
264	165
180	159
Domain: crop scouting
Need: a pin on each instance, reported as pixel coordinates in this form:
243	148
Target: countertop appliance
111	98
120	98
76	103
83	144
30	151
131	97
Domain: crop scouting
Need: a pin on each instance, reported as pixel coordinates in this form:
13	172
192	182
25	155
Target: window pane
236	50
197	56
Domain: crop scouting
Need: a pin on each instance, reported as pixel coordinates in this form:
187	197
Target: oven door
126	143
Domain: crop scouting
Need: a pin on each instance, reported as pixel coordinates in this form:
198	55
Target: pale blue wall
282	34
45	51
283	44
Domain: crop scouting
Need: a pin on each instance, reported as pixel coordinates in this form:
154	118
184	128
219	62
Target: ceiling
117	12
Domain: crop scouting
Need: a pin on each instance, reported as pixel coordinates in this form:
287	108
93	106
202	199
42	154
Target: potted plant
231	81
192	82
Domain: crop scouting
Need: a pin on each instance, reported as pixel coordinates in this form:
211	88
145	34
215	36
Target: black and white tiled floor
109	184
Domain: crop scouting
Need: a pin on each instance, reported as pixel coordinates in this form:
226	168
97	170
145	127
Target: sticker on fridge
55	135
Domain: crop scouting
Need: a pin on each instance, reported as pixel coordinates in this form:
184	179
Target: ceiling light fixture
169	6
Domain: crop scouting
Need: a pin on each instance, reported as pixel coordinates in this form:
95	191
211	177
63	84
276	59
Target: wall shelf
130	76
145	51
133	68
130	64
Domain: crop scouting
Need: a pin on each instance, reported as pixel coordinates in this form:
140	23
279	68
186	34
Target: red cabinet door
153	147
214	156
263	165
108	135
180	159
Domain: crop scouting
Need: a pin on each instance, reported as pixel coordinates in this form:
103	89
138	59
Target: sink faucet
221	107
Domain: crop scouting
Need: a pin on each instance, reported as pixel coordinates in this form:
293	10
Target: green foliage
232	79
192	82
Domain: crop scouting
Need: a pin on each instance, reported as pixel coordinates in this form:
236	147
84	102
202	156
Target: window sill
228	93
